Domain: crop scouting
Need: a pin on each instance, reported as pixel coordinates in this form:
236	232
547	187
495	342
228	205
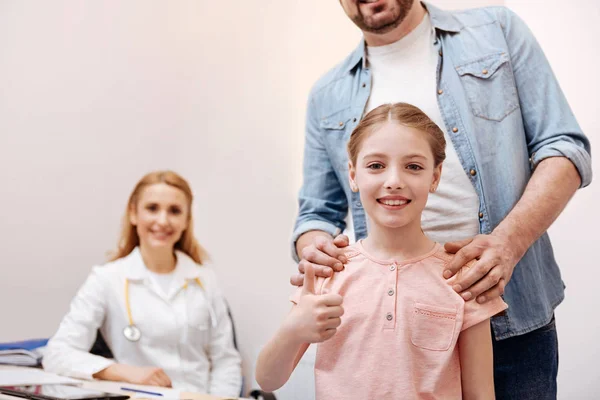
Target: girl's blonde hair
403	114
129	237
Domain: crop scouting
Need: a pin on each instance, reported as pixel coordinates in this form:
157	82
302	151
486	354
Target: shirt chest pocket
199	321
490	86
337	128
432	327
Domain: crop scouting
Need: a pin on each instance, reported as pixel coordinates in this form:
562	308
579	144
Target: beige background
95	94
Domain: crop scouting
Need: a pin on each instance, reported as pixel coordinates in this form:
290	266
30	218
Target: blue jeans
525	366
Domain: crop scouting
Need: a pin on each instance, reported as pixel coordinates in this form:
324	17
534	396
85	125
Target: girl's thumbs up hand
316	317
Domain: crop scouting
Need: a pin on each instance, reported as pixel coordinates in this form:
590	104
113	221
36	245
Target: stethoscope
133	333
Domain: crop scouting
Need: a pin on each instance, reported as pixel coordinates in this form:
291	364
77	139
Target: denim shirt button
473	172
358	204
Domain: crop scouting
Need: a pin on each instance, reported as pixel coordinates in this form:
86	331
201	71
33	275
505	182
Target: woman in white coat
160	312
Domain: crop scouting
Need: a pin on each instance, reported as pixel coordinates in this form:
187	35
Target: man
515	157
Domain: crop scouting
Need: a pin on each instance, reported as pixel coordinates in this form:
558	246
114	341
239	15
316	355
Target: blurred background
93	95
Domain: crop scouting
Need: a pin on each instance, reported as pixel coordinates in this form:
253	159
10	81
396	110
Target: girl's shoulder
442	255
352	251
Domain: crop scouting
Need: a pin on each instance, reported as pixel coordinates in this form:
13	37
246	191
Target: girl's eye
152	207
375	166
414	167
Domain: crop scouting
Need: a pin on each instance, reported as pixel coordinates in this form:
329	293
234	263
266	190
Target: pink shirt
399	332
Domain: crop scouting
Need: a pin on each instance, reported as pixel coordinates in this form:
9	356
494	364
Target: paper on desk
200	396
29	376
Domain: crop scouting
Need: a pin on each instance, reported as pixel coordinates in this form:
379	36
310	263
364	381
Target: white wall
567	32
95	94
82	117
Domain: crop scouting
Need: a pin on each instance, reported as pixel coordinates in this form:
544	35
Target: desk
115	387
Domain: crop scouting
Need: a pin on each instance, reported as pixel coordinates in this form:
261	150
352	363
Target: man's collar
440	19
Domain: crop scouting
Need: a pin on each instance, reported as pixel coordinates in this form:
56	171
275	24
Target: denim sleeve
550	126
322	202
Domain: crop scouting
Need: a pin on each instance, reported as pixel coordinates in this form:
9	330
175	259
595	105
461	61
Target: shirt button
480	215
353	119
364	85
392	267
389	316
391	292
358	204
473	172
341	123
440	52
455	129
440	91
485	71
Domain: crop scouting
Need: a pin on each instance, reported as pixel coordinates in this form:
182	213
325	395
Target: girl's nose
394	182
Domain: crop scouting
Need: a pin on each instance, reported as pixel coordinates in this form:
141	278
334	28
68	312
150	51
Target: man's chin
379	24
381	29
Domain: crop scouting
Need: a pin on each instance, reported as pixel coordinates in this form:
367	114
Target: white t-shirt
163	281
405	71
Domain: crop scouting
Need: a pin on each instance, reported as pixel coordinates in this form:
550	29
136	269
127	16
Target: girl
161	313
405	334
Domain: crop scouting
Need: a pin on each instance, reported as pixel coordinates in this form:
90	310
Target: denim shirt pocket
337	128
490	86
336	121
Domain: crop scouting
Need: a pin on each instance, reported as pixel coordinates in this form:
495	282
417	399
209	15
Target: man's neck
412	20
397	243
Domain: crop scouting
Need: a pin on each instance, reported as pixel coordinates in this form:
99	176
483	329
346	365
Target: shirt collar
440	20
185	269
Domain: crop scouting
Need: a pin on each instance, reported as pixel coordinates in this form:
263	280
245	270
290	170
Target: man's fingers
341	241
460	259
477	279
309	280
453	247
331	250
492	293
297	280
320	257
320	270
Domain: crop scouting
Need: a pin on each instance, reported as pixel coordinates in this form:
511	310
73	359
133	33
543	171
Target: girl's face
160	216
394	174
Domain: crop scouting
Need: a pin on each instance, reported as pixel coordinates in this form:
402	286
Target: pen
141	391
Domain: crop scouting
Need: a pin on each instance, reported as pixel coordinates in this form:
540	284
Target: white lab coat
177	334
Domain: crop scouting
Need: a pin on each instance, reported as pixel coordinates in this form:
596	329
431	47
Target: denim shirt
505	113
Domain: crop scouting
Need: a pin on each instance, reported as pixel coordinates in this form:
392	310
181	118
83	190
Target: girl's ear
437	174
352	176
